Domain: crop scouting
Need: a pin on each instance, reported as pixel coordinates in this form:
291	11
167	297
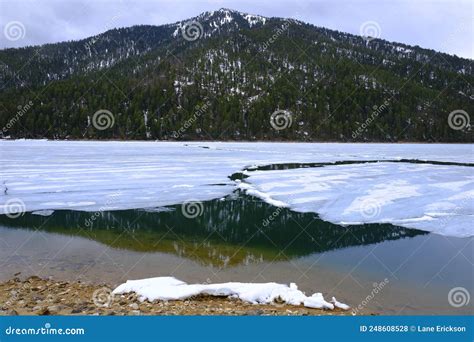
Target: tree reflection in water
233	231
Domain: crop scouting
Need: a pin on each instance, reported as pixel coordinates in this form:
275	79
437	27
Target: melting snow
436	198
170	288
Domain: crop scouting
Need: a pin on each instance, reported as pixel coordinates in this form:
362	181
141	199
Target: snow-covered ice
436	198
91	175
170	288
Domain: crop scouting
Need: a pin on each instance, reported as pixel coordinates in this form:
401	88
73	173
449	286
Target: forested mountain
222	74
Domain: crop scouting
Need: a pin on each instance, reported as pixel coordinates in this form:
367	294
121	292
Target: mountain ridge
237	60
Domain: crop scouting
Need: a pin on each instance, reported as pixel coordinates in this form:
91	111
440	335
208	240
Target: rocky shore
36	296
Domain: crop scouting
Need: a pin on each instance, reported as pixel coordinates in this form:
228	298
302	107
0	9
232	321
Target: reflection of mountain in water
237	230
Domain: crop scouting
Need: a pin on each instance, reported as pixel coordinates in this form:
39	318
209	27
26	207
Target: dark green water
226	233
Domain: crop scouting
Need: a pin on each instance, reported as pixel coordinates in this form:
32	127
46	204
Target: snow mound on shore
170	288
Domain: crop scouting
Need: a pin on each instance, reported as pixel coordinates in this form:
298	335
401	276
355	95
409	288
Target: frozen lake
434	196
334	218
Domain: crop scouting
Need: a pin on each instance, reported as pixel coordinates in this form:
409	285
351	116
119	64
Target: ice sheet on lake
170	288
434	198
92	175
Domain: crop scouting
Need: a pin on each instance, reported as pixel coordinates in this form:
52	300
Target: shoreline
37	296
248	141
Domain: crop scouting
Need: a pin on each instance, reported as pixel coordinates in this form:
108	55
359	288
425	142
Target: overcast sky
437	24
